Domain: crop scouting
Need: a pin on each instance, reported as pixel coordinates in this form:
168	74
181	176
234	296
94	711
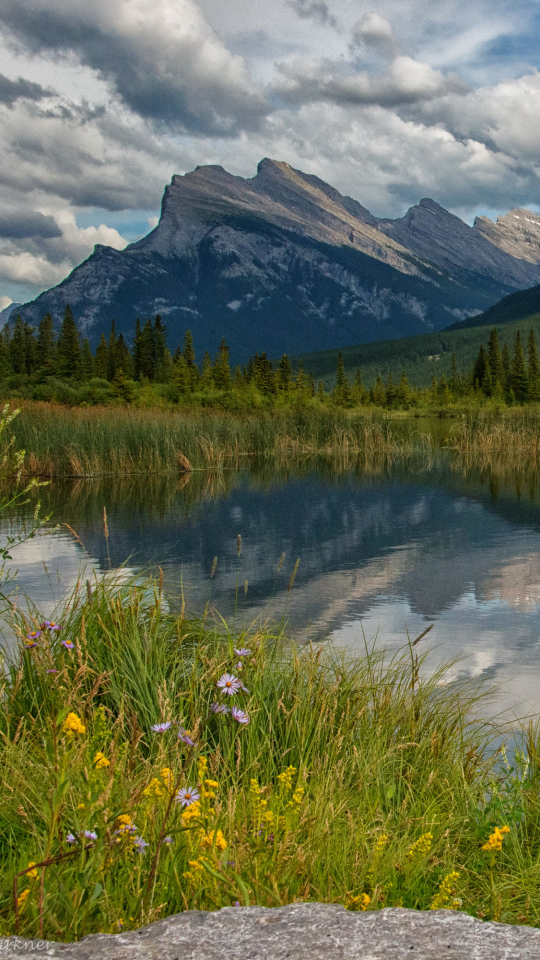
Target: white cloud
161	57
376	32
5	302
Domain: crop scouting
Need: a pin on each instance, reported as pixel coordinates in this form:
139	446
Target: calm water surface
381	553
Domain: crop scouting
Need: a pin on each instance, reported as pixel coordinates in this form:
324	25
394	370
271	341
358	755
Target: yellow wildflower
285	779
125	828
444	899
420	847
193	812
32	873
202	764
495	839
73	725
100	761
22	898
209	788
359	902
80	806
159	787
214	839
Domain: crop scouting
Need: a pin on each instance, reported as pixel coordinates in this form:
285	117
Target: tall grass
359	782
91	442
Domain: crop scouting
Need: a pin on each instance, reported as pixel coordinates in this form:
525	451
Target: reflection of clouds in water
516	582
489	641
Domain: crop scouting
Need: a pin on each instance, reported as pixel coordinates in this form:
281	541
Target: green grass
362	782
63	441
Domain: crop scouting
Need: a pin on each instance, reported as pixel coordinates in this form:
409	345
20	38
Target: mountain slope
283	262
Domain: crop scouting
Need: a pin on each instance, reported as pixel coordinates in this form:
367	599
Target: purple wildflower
243	652
67	644
140	844
219	708
230	863
90	835
188	795
238	666
28	645
229	684
52	671
49	625
70	838
161	727
33	635
184	736
236	903
239	715
167	839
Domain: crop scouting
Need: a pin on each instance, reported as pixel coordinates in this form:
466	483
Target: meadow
154	762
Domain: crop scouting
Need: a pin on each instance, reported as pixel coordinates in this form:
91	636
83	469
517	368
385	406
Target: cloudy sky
102	101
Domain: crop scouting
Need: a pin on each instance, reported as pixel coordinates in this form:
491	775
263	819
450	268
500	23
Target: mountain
7	311
523	306
283	262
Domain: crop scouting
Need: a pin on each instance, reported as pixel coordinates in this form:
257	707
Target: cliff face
517	233
283	262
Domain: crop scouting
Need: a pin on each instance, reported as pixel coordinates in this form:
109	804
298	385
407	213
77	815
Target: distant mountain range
283	262
426	355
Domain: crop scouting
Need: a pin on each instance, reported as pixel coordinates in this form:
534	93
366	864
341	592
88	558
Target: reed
90	442
363	782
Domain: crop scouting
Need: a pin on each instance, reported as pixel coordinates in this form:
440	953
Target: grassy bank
88	442
358	783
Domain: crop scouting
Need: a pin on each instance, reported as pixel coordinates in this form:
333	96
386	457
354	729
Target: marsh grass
364	782
89	442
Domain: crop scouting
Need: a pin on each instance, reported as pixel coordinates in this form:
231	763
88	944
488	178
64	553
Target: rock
302	931
517	233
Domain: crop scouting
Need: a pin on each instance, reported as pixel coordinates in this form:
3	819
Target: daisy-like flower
161	727
90	835
243	652
140	844
70	838
167	839
33	635
49	625
219	708
67	644
239	715
188	795
28	644
185	737
229	684
238	666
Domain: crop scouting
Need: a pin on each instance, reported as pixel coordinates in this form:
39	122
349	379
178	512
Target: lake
383	552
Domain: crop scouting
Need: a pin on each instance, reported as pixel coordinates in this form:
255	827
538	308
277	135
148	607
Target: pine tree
207	376
137	350
46	346
284	373
87	361
148	357
378	392
123	357
518	374
30	349
69	347
480	368
404	391
358	391
111	353
495	364
189	356
100	363
342	392
534	369
391	391
222	370
17	347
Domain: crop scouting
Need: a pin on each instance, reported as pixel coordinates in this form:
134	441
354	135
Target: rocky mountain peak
517	233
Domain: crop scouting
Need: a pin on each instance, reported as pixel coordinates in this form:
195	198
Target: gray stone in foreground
302	931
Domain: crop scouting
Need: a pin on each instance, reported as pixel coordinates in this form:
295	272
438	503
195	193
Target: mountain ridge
283	262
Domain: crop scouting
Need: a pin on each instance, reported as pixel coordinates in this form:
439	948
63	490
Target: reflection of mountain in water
429	537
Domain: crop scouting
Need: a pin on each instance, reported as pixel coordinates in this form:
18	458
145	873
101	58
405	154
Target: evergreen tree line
30	356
